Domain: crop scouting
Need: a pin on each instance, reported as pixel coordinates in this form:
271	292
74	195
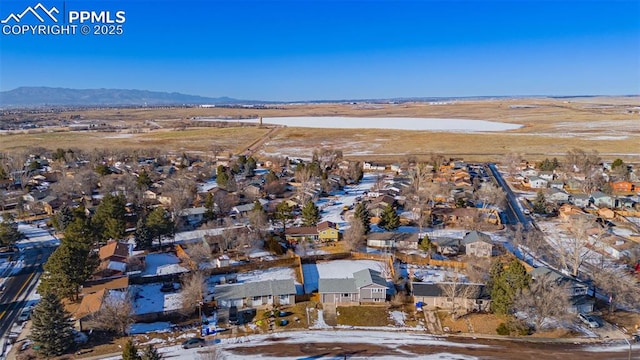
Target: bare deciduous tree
199	252
511	162
354	235
115	315
193	291
545	299
457	294
490	195
577	247
622	288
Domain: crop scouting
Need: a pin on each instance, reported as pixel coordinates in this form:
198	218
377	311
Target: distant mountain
48	96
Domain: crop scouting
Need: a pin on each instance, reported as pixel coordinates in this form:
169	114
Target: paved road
18	286
513	213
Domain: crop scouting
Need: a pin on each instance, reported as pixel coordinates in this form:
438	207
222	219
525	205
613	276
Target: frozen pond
398	123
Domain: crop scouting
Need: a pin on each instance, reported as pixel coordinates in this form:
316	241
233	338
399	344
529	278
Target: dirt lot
550	128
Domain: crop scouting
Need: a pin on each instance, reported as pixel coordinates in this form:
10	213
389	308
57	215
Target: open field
550	127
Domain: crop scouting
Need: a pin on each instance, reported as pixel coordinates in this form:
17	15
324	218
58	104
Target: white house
537	182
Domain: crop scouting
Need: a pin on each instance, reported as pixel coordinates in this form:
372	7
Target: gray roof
367	277
360	279
436	289
337	286
475	236
251	289
395	236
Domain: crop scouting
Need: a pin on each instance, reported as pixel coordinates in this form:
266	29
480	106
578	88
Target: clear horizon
331	50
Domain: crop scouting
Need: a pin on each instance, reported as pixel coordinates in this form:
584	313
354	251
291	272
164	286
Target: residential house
477	244
556	184
118	284
328	231
193	216
113	259
601	199
393	240
244	209
547	175
528	172
580	200
579	300
468	297
537	182
557	196
366	286
92	303
298	234
255	294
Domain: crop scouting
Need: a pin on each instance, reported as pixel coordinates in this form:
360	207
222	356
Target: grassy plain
550	127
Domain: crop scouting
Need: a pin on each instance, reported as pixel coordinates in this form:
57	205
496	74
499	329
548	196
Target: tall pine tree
143	236
109	219
504	284
51	326
389	219
310	214
362	214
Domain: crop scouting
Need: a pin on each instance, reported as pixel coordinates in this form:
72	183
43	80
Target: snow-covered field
337	269
399	123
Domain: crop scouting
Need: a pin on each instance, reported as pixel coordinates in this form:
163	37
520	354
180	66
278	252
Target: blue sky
304	50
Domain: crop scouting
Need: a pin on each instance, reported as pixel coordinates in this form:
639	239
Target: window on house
345	295
377	290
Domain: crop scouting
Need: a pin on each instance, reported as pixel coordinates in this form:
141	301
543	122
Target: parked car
588	320
193	342
233	315
168	287
25	315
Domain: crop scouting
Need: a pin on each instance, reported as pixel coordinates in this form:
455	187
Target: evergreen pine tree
505	283
283	213
9	233
362	214
540	204
109	219
143	236
130	351
51	326
310	214
209	204
66	269
389	219
151	353
63	217
222	178
160	224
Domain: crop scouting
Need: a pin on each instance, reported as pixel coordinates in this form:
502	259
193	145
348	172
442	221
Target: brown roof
109	284
326	225
114	248
302	231
90	304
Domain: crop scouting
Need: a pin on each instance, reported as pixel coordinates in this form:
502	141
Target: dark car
193	342
167	287
233	315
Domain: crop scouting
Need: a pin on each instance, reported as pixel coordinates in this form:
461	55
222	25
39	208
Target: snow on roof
162	264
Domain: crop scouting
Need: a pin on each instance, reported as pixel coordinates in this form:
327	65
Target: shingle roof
114	248
337	286
251	289
367	277
476	236
436	290
117	283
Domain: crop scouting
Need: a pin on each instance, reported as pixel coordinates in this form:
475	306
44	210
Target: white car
25	314
588	320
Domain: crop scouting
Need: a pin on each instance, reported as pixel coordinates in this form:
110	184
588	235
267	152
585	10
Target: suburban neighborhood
143	246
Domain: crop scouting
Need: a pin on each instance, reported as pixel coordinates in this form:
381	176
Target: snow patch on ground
35	235
149	299
398	317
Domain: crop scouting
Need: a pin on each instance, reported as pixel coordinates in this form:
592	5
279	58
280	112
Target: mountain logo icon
39	11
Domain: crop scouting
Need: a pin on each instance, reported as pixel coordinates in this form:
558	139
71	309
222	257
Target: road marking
13	301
